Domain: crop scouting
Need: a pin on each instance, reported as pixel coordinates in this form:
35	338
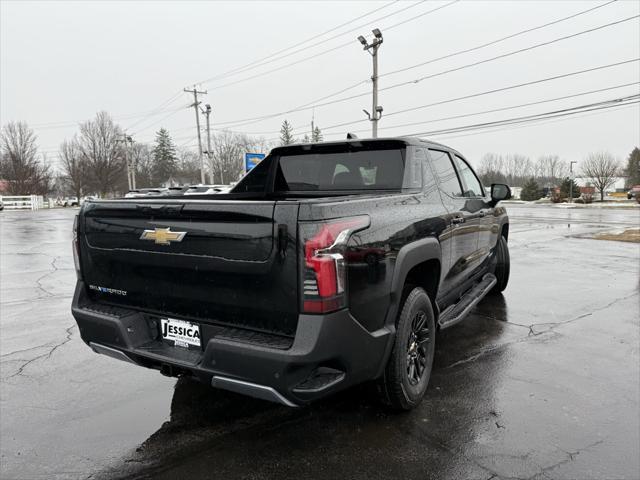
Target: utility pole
132	164
571	179
131	176
207	111
372	48
313	115
195	106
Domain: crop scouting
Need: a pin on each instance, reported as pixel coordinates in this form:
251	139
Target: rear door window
447	176
472	186
355	170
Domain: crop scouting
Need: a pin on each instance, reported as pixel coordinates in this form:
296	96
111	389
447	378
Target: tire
503	265
408	370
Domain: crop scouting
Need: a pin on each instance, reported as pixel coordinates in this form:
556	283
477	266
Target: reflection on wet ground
539	383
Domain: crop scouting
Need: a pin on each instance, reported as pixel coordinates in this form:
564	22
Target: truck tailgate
219	262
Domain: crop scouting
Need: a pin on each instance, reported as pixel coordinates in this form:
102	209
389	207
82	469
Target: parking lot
540	383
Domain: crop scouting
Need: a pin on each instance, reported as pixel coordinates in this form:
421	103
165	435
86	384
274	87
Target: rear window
357	170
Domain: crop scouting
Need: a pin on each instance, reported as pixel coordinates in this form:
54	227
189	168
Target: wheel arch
504	230
419	262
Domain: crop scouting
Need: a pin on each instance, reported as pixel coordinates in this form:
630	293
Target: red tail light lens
324	274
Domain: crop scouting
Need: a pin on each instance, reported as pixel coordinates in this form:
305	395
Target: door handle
457	220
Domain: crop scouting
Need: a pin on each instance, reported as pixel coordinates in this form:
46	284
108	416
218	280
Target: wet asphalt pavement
541	383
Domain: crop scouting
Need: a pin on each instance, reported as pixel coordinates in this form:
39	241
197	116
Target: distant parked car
175	190
634	192
206	189
145	192
70	202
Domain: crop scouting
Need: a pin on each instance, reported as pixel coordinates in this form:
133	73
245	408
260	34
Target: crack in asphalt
48	354
45	297
569	459
48	344
532	332
50	272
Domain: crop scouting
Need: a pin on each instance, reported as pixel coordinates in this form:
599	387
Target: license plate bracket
181	333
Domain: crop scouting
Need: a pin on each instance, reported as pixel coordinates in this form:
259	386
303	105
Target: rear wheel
503	265
407	373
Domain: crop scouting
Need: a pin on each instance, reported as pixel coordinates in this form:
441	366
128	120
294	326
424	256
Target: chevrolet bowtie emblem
162	236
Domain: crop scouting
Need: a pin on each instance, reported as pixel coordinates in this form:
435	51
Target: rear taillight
324	272
76	249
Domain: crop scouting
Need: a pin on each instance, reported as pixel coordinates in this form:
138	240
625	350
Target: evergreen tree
633	168
530	190
316	135
305	139
286	134
565	188
165	162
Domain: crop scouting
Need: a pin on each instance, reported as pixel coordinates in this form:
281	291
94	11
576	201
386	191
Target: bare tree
75	167
19	165
228	154
490	169
189	165
550	168
98	144
601	168
141	157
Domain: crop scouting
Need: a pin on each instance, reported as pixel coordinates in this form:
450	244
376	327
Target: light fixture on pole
372	48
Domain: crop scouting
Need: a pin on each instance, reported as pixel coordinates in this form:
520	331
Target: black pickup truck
328	265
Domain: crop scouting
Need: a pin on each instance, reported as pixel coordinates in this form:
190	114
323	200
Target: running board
455	313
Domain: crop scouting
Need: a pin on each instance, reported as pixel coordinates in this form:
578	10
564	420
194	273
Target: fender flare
408	257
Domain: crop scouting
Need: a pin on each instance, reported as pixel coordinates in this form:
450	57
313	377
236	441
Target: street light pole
372	48
571	180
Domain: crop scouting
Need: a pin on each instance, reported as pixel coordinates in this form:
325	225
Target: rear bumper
328	353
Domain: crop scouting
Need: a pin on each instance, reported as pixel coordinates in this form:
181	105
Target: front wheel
407	373
503	265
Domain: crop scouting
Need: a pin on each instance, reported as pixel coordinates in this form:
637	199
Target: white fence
22	202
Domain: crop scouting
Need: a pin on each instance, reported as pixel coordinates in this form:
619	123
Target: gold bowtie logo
162	236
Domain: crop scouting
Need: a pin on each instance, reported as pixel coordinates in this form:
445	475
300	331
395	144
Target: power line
502	109
239	123
488	92
499	40
632	99
316	55
251	64
514	52
540	122
183	107
74	123
159	109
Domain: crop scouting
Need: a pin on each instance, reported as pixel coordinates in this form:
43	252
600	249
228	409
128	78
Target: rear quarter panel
396	220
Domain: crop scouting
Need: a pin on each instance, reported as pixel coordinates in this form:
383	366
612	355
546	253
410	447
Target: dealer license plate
181	333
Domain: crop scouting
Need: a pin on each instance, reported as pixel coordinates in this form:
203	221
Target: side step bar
455	313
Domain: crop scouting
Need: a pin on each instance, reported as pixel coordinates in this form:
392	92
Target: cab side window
447	176
472	186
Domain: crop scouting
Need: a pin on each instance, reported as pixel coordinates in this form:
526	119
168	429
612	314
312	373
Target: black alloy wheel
417	345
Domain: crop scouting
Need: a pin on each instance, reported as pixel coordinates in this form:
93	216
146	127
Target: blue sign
252	159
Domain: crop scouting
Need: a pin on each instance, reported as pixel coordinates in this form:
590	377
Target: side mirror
499	191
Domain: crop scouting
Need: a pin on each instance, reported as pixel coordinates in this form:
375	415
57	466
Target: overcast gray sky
61	62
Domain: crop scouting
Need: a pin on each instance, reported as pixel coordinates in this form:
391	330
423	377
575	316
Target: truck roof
406	141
